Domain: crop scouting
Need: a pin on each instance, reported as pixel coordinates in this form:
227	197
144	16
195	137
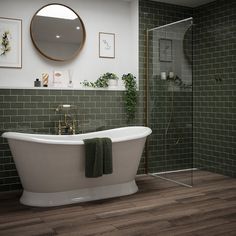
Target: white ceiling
187	3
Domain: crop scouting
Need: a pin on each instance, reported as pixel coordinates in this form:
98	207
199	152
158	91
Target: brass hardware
59	127
67	126
67	123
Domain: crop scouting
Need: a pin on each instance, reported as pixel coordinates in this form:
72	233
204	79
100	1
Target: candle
163	75
45	79
171	74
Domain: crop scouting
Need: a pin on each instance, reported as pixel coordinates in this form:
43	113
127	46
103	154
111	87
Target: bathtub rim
66	139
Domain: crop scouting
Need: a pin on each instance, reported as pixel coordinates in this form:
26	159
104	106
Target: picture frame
165	50
106	45
10	43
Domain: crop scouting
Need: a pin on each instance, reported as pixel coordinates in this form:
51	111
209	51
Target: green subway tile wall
168	149
215	87
214	90
33	111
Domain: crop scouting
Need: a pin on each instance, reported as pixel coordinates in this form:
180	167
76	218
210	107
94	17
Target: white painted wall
112	16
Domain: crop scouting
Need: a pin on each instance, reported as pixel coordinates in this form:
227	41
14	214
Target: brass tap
66	126
73	126
59	127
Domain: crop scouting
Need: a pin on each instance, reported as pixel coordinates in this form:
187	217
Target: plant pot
113	82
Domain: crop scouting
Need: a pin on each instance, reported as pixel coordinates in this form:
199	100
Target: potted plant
130	95
111	78
107	79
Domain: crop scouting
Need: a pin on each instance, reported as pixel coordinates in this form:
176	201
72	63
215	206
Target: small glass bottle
70	74
37	83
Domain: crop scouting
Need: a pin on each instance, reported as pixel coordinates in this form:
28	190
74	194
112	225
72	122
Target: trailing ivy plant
130	95
101	82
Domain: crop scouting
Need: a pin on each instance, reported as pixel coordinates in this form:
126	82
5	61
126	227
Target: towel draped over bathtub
98	157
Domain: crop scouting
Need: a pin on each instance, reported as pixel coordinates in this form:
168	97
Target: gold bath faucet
67	125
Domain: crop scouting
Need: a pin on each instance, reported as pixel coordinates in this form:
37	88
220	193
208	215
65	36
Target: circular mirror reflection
57	32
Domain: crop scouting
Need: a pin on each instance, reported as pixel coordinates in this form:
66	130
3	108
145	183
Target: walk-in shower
170	101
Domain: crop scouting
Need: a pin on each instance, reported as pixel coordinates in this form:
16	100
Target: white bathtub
52	167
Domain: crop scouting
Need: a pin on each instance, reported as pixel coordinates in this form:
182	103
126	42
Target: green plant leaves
101	82
5	43
130	95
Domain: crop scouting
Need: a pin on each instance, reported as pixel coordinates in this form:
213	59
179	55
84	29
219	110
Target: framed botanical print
106	45
10	43
165	50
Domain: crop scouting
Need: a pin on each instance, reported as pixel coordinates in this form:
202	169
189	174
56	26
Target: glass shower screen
170	101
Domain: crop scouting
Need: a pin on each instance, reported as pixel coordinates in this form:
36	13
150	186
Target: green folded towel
93	157
98	157
107	155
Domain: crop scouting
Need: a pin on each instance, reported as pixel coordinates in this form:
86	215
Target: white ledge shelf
60	88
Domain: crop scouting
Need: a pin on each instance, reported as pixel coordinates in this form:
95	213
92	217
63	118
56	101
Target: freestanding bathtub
52	167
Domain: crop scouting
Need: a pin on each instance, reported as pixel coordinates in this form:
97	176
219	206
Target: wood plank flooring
160	208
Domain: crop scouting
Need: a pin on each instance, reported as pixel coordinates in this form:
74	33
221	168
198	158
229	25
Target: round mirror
57	32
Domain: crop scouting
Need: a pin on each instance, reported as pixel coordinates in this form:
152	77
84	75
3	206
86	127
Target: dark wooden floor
159	208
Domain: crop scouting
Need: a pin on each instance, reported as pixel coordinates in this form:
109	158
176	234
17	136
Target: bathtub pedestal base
76	196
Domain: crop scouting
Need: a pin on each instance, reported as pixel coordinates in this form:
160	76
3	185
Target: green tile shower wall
171	145
215	87
172	151
34	111
214	124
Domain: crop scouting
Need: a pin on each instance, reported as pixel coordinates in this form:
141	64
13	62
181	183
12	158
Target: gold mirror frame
76	52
